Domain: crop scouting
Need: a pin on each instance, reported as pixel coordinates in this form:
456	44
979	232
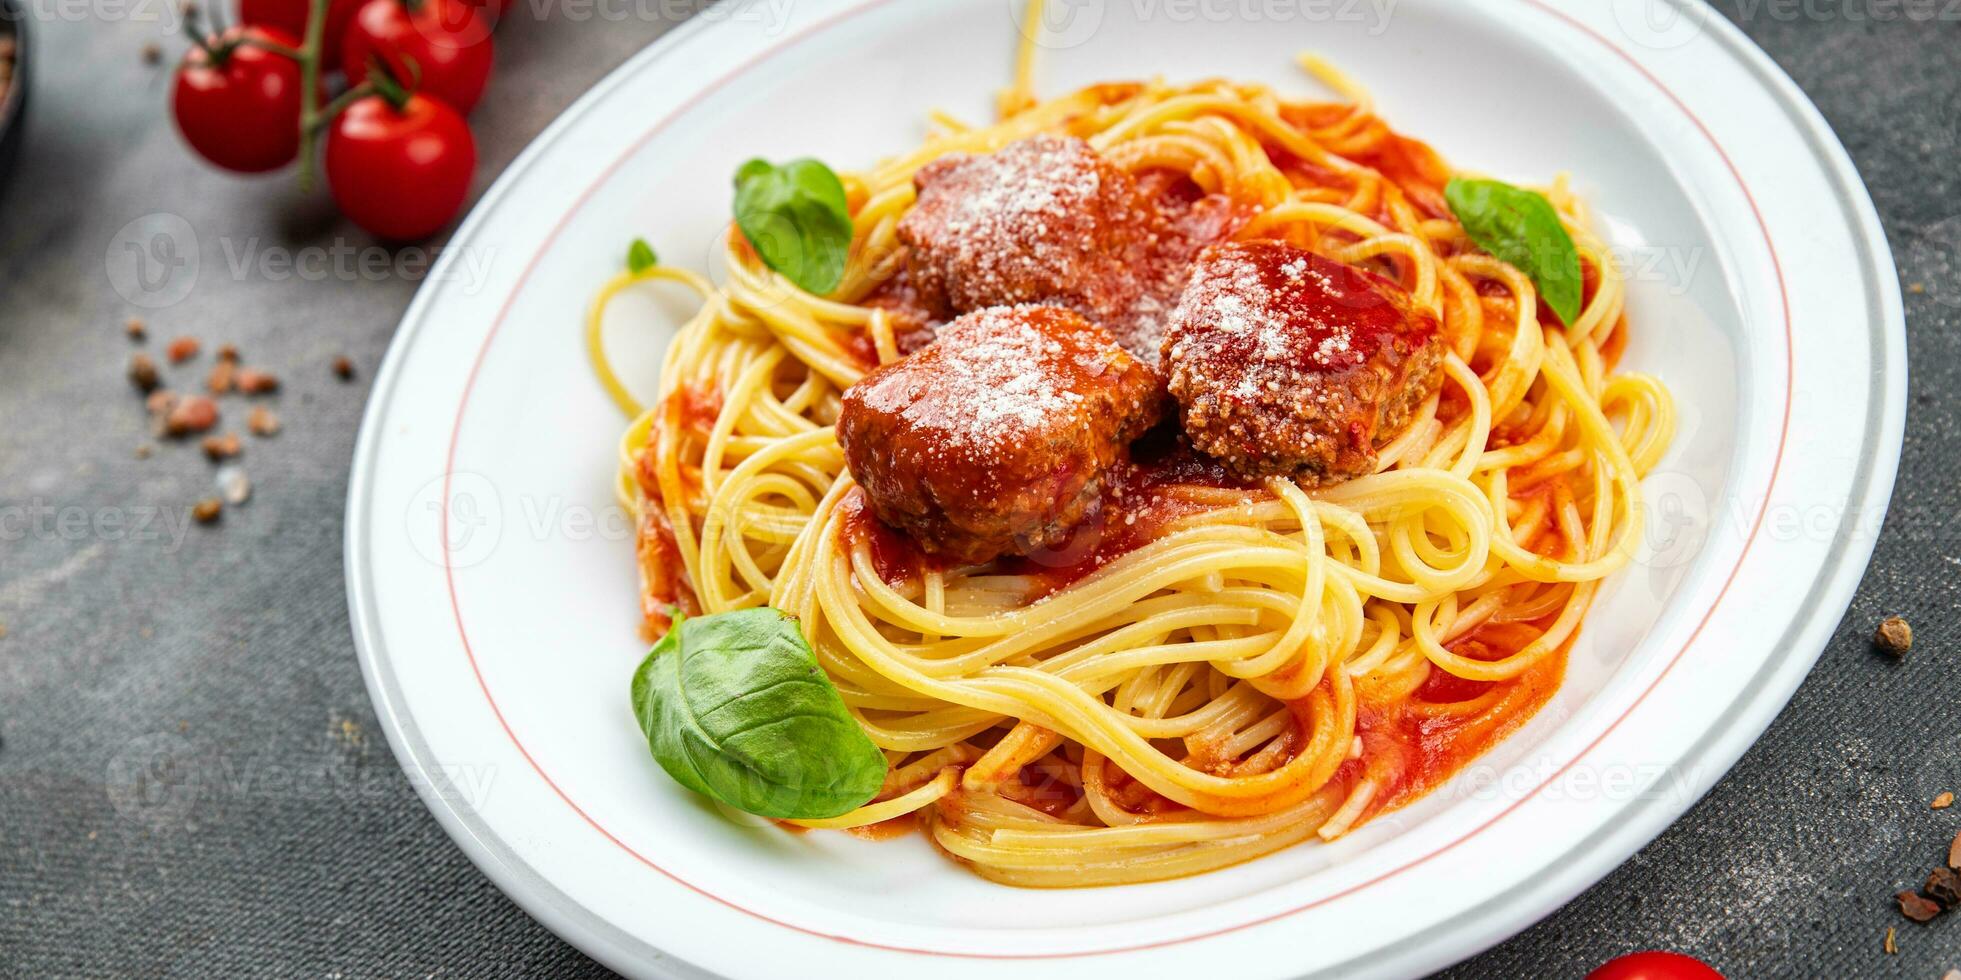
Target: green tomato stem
194	29
341	102
275	47
310	114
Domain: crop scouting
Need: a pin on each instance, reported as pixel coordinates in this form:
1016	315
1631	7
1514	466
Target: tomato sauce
1141	498
897	558
1037	788
899	826
1432	748
1414	168
691	410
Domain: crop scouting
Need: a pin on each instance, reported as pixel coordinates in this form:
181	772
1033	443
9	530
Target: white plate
491	576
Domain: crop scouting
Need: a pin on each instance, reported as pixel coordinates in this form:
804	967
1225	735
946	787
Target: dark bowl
13	102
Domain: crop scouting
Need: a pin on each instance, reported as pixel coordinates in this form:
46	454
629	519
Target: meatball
1045	220
994	439
1288	363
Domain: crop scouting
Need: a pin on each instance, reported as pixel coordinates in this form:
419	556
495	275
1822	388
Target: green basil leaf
796	217
640	256
735	707
1520	227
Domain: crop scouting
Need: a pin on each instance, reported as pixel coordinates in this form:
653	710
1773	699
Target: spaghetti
1242	667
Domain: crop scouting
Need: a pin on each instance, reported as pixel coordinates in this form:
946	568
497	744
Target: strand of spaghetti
1085	868
602	366
1020	94
1601	439
1513	376
1057	704
736	402
872	813
1474	431
1191	106
818	445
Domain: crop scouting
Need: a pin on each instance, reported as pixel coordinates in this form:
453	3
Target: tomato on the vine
290	16
1655	965
443	45
238	104
400	168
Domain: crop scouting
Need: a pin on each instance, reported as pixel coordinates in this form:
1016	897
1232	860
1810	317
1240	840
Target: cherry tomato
290	16
400	173
241	109
447	39
1654	965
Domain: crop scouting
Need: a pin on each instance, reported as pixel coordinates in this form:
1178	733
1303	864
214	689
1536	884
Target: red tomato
241	112
290	16
447	39
401	174
1655	965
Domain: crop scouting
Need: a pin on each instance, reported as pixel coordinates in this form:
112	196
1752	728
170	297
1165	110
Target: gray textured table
224	653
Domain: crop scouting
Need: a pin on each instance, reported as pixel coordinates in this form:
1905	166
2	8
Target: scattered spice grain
1917	907
252	381
1943	886
221	447
143	373
191	414
262	422
1894	636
